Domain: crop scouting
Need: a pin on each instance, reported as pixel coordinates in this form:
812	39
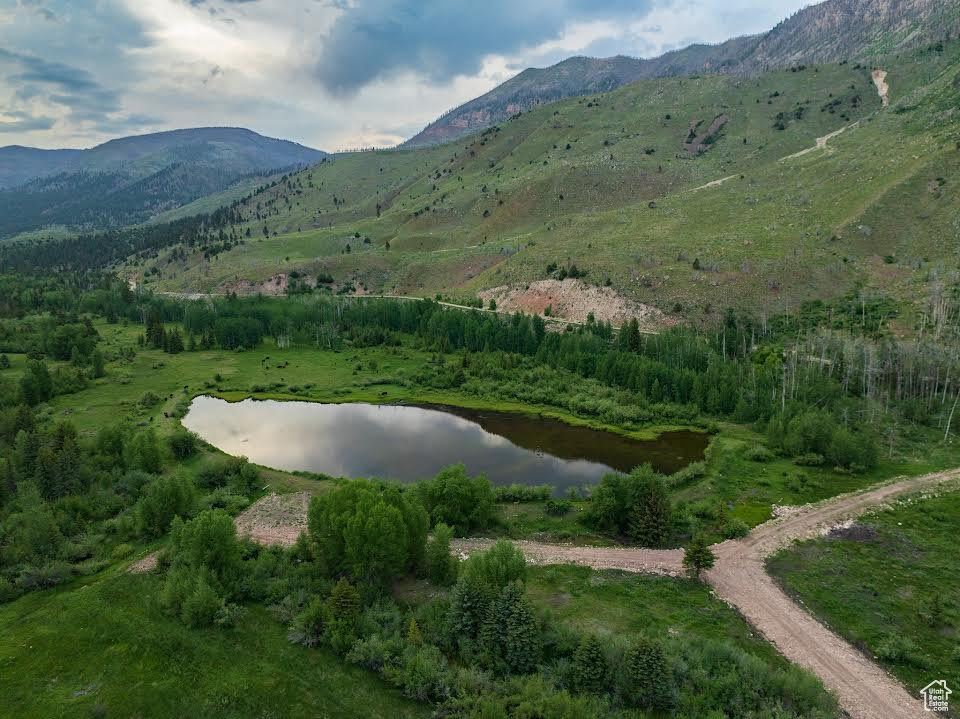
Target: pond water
409	443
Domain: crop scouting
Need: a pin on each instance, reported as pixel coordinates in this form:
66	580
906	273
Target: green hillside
615	184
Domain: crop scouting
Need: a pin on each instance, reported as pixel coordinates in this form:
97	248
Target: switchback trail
865	690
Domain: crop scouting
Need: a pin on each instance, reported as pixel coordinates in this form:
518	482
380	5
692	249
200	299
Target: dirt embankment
275	519
574	300
883	90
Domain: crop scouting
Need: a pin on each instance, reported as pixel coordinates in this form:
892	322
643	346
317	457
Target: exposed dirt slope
573	300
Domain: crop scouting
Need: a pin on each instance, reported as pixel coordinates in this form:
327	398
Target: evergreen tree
589	666
344	605
4	361
646	680
698	556
510	638
414	635
651	517
97	364
469	605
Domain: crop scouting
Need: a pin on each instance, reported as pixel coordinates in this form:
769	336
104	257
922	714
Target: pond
410	443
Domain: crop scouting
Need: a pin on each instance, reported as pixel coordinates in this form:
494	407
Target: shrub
464	503
441	565
759	453
307	628
734	528
162	500
201	606
589	666
498	566
558	507
183	444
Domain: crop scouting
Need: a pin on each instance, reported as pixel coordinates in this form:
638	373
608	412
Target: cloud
438	39
327	73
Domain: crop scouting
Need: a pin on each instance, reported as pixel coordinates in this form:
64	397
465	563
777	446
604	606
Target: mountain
130	179
690	194
829	32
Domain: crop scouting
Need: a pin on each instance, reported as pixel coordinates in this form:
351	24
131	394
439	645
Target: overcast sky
331	74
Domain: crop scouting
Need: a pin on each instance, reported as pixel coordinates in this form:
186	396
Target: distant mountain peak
831	31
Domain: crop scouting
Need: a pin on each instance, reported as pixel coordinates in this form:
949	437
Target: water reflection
409	443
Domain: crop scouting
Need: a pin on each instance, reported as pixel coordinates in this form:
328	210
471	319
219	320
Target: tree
183	444
465	503
651	518
441	565
469	605
143	452
97	368
4	361
589	666
162	500
36	384
698	556
646	676
510	638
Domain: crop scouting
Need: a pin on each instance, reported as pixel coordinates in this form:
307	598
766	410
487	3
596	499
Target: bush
734	528
307	628
162	500
498	566
201	607
759	453
810	459
441	565
558	507
523	493
183	444
464	503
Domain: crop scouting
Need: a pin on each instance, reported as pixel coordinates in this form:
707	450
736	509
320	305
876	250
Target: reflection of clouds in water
392	442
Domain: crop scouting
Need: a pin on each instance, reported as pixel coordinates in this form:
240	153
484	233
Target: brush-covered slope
130	179
688	194
831	31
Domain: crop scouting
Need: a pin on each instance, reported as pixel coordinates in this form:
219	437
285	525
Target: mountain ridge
831	31
128	180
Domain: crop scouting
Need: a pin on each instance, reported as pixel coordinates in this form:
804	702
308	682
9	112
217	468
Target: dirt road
865	691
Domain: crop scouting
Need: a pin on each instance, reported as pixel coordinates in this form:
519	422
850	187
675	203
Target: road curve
864	689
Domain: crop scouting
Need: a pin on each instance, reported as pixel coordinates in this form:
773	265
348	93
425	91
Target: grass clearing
101	647
889	584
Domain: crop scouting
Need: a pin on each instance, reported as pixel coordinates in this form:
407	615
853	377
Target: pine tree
651	517
510	638
589	666
698	556
344	603
469	605
414	635
646	675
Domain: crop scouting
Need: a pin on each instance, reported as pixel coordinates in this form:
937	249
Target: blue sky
332	74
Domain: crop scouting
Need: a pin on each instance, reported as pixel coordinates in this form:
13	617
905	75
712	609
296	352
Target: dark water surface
410	443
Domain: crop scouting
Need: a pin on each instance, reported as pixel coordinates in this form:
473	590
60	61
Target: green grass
103	648
876	586
622	605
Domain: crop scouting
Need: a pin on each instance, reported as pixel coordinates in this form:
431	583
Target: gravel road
864	689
